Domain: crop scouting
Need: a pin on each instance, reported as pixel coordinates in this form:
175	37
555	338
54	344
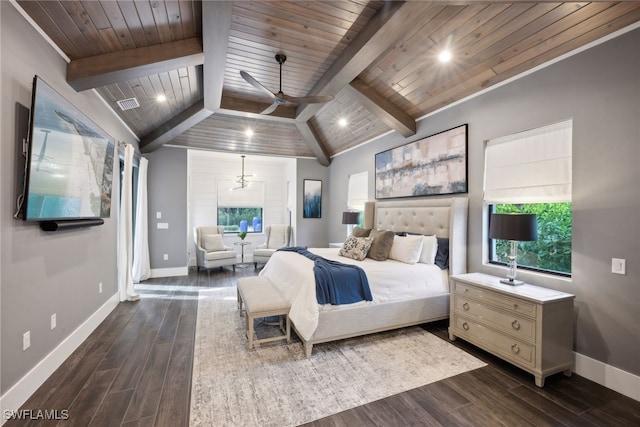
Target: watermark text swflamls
37	414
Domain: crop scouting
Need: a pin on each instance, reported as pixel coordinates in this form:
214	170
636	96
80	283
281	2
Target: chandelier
242	180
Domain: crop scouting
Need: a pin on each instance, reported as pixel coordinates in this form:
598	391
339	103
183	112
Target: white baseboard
169	272
616	379
27	385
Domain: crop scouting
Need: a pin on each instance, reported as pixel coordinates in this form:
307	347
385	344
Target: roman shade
530	167
357	191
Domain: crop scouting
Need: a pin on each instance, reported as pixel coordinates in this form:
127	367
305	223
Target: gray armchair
211	252
276	236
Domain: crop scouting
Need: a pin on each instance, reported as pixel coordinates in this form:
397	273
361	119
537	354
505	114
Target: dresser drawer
502	345
517	326
518	306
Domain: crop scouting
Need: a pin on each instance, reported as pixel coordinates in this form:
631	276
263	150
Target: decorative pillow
429	249
360	232
442	255
356	247
212	242
406	249
382	241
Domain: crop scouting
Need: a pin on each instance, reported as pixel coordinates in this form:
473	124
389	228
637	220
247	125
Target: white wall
206	168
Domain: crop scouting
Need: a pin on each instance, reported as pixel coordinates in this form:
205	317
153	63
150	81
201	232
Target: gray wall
167	193
45	273
312	232
600	90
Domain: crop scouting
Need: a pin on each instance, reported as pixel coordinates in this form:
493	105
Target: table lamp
350	219
515	227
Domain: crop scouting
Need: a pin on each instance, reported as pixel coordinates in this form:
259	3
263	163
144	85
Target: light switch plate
158	215
618	266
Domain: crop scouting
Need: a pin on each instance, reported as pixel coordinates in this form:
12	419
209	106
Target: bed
401	296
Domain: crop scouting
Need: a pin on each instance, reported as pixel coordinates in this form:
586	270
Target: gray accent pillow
382	241
360	232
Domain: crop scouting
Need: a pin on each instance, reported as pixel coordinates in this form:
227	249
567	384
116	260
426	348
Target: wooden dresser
529	326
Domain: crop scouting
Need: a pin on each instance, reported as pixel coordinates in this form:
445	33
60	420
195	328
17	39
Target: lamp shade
513	226
350	217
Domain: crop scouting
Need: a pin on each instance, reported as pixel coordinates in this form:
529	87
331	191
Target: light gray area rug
276	385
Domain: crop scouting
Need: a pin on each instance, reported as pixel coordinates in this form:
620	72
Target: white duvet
389	280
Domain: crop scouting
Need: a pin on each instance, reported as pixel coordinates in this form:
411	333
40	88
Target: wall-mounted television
69	162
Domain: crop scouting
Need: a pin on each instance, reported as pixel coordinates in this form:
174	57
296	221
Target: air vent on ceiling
128	104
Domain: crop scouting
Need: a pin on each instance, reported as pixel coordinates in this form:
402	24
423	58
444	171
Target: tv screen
69	161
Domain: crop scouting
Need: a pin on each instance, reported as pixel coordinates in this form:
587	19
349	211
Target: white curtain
141	263
125	235
530	167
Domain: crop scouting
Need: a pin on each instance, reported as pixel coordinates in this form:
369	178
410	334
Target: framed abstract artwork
435	165
312	199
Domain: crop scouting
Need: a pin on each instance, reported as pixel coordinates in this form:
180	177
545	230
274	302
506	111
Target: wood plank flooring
135	370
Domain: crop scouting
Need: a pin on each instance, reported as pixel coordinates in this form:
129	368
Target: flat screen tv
69	161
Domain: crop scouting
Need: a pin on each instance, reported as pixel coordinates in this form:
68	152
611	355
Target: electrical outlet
53	321
26	340
618	266
100	287
166	257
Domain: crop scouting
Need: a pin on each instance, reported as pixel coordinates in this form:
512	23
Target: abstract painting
312	199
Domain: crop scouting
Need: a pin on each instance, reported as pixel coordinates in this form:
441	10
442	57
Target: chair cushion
212	242
263	252
277	237
215	256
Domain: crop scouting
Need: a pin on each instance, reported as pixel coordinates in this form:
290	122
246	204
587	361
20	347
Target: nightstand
528	326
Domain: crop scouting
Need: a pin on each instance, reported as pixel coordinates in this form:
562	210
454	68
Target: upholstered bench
262	299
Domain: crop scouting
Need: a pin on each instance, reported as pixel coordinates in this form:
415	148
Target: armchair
211	252
276	236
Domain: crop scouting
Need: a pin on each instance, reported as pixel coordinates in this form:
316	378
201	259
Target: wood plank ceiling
377	59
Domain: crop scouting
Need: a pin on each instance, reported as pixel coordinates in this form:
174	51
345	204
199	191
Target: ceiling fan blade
308	99
270	109
253	82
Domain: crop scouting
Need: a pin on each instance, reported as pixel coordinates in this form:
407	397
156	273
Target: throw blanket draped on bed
336	283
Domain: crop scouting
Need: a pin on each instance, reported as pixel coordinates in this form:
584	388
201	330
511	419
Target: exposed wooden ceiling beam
384	29
216	26
174	127
313	141
102	70
240	107
380	106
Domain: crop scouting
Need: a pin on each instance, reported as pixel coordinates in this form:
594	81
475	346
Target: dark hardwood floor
135	370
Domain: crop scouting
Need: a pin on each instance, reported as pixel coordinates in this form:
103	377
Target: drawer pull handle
515	325
465	326
465	306
466	290
515	348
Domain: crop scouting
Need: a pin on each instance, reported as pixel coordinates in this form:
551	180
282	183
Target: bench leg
250	331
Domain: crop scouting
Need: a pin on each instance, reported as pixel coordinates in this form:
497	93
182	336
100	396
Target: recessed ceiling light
342	122
444	56
161	98
248	132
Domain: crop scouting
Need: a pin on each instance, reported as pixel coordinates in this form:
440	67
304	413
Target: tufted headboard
440	217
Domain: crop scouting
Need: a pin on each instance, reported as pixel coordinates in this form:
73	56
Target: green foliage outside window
230	219
552	251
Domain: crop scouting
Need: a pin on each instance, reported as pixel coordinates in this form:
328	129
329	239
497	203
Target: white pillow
429	250
406	249
212	242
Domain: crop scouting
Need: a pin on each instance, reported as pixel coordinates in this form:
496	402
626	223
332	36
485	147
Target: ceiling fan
242	180
280	98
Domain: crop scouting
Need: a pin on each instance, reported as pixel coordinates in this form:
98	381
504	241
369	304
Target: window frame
238	230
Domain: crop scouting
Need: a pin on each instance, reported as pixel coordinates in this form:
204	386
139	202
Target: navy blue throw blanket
336	283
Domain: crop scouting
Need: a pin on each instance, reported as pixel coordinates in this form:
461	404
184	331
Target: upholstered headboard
440	217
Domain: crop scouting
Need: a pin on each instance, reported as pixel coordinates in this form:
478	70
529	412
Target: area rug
276	385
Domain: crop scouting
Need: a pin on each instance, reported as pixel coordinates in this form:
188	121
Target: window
240	209
357	193
240	219
530	172
552	251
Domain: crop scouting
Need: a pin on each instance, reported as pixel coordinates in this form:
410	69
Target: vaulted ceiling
378	60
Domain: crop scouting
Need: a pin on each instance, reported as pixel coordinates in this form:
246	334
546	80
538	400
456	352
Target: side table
242	244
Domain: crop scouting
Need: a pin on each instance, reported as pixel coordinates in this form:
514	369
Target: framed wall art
435	165
312	199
